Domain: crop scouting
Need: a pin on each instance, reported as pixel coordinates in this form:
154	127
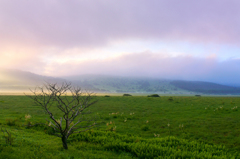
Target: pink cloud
148	64
37	31
95	23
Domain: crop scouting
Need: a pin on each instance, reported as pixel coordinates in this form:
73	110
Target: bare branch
54	95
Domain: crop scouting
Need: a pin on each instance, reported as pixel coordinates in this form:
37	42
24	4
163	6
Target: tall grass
150	148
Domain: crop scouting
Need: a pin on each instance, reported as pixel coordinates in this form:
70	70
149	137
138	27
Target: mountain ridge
22	80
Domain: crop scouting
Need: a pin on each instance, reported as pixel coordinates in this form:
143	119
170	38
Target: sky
170	39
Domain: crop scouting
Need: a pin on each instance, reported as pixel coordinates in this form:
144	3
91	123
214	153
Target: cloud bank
57	37
152	65
95	23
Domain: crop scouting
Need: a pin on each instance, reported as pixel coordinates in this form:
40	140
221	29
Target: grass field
133	127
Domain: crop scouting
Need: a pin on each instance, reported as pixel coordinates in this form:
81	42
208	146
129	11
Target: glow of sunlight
91	55
5	79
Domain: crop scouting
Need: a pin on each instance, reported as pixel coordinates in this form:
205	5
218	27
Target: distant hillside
15	80
205	87
101	83
115	84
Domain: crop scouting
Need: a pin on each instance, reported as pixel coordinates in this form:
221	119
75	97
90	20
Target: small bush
127	95
170	99
11	122
107	118
153	95
107	96
111	126
145	128
114	115
41	127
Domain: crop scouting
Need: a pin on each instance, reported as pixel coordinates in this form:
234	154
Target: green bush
127	95
170	99
145	128
42	127
153	95
107	96
11	122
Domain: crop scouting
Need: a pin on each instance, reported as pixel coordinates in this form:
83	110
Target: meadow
132	127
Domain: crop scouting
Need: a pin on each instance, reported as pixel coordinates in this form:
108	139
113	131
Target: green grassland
133	127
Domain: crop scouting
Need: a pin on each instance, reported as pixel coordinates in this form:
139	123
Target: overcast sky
187	39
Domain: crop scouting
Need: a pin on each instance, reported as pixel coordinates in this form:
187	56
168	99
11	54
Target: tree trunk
64	141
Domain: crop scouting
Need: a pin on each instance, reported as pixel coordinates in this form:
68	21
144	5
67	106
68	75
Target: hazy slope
205	87
115	84
15	80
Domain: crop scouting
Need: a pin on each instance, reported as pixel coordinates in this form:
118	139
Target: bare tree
71	102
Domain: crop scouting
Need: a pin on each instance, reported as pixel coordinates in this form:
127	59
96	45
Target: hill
16	80
205	87
115	84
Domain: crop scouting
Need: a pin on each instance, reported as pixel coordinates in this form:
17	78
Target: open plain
131	127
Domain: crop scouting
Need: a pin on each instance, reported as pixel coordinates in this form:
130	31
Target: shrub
127	95
40	127
107	96
11	122
145	128
153	95
111	126
170	98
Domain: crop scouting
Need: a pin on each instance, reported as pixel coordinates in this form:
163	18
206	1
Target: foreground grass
167	147
37	144
211	121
